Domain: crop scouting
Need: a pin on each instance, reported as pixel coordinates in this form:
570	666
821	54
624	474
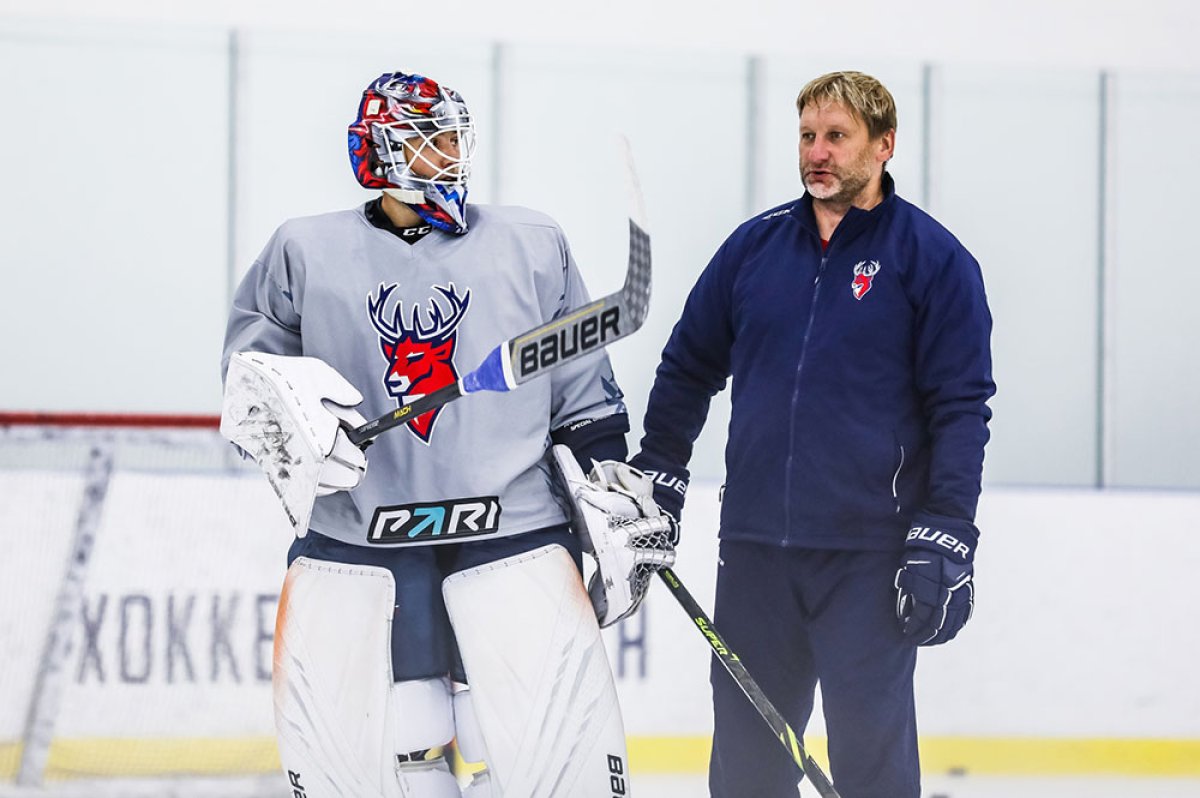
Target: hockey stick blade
573	335
787	737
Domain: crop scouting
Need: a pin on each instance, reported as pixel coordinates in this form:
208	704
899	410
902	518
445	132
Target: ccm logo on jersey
940	538
423	523
616	775
581	336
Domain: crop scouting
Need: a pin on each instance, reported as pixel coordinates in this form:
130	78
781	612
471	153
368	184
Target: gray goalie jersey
399	321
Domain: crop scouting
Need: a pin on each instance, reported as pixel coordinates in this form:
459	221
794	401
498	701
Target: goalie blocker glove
935	591
613	512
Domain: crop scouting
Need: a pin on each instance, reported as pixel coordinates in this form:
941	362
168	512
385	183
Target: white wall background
1085	626
1100	33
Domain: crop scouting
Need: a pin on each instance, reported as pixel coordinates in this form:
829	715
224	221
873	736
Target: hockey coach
856	331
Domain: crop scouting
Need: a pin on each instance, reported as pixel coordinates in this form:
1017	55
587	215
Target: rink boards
1078	660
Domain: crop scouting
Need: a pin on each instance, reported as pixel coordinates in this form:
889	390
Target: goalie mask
415	139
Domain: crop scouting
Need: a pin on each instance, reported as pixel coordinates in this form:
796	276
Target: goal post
142	560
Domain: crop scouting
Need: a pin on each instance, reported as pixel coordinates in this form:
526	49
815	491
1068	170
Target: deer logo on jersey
864	275
420	355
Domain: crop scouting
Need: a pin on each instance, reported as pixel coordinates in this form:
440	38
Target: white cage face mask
436	152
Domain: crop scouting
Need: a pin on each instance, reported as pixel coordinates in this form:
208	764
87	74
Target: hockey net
142	560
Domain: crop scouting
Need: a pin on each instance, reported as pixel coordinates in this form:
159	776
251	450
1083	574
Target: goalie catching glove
290	415
614	514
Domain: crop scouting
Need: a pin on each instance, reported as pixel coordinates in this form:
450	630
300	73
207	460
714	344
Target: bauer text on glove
935	590
670	486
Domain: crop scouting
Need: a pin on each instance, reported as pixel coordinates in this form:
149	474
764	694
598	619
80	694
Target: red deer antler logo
864	275
420	356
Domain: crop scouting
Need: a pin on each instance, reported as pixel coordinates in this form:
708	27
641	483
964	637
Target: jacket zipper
895	479
787	472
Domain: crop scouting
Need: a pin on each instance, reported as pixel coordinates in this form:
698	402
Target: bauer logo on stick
581	332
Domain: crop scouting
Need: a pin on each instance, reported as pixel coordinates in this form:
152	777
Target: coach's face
839	161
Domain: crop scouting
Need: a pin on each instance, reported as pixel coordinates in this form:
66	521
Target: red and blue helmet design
403	121
419	352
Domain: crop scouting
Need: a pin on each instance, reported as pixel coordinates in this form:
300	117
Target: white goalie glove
345	464
289	414
613	512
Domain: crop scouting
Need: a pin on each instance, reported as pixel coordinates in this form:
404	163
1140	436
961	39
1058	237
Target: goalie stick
533	353
733	664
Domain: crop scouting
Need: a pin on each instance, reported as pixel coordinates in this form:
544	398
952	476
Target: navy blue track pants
796	616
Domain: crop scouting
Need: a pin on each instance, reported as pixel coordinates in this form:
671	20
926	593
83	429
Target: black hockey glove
670	488
935	591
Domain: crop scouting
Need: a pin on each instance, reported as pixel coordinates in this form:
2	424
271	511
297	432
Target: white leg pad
541	687
466	726
332	675
431	779
424	714
480	787
337	713
423	717
471	746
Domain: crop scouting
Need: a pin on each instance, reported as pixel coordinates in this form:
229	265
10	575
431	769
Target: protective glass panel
1015	176
685	118
1154	382
114	165
781	82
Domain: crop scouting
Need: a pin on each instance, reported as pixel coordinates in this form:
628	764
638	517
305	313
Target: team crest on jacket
864	275
419	349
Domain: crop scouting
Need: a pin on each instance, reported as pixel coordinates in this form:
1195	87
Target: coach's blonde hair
860	93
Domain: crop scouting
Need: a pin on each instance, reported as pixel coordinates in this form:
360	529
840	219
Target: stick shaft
787	737
402	415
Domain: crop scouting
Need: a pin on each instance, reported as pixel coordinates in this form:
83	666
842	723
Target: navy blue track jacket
860	377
